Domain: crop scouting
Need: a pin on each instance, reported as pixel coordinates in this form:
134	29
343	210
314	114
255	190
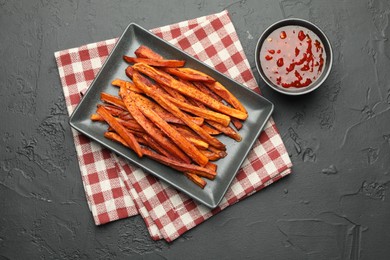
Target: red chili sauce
292	56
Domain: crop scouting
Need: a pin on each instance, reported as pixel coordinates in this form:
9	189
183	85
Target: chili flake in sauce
292	56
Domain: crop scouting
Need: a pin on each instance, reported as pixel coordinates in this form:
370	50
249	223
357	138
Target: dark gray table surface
335	205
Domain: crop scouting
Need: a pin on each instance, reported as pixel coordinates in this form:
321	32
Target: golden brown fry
145	52
227	130
150	128
211	166
131	124
206	90
167	80
196	179
211	130
192	176
211	155
176	111
205	113
221	91
115	137
96	117
175	136
158	148
189	74
155	63
167	116
108	98
184	167
157	108
237	123
121	130
220	153
122	83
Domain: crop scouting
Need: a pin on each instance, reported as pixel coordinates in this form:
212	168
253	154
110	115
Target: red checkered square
74	98
89	75
211	51
176	32
257	165
117	193
70	79
65	59
98	198
112	173
184	43
227	41
104	218
221	67
106	154
237	58
93	178
84	55
200	33
88	158
217	24
122	213
103	51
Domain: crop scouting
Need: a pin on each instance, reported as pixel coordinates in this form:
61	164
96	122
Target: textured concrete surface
335	205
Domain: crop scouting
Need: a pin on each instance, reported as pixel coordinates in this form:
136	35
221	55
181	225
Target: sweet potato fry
189	74
131	124
110	99
221	91
210	155
115	110
176	111
130	85
175	136
121	130
210	130
124	115
145	52
206	90
115	137
167	116
96	117
196	179
184	167
150	128
220	153
227	130
191	176
185	106
155	63
130	71
158	148
205	113
236	122
163	89
211	166
167	80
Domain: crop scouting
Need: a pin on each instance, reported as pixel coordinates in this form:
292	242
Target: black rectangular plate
259	110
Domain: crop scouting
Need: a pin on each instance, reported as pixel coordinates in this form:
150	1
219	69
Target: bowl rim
309	25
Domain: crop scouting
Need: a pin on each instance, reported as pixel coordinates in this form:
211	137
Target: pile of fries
172	114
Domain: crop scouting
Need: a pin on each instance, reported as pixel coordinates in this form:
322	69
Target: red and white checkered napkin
116	189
